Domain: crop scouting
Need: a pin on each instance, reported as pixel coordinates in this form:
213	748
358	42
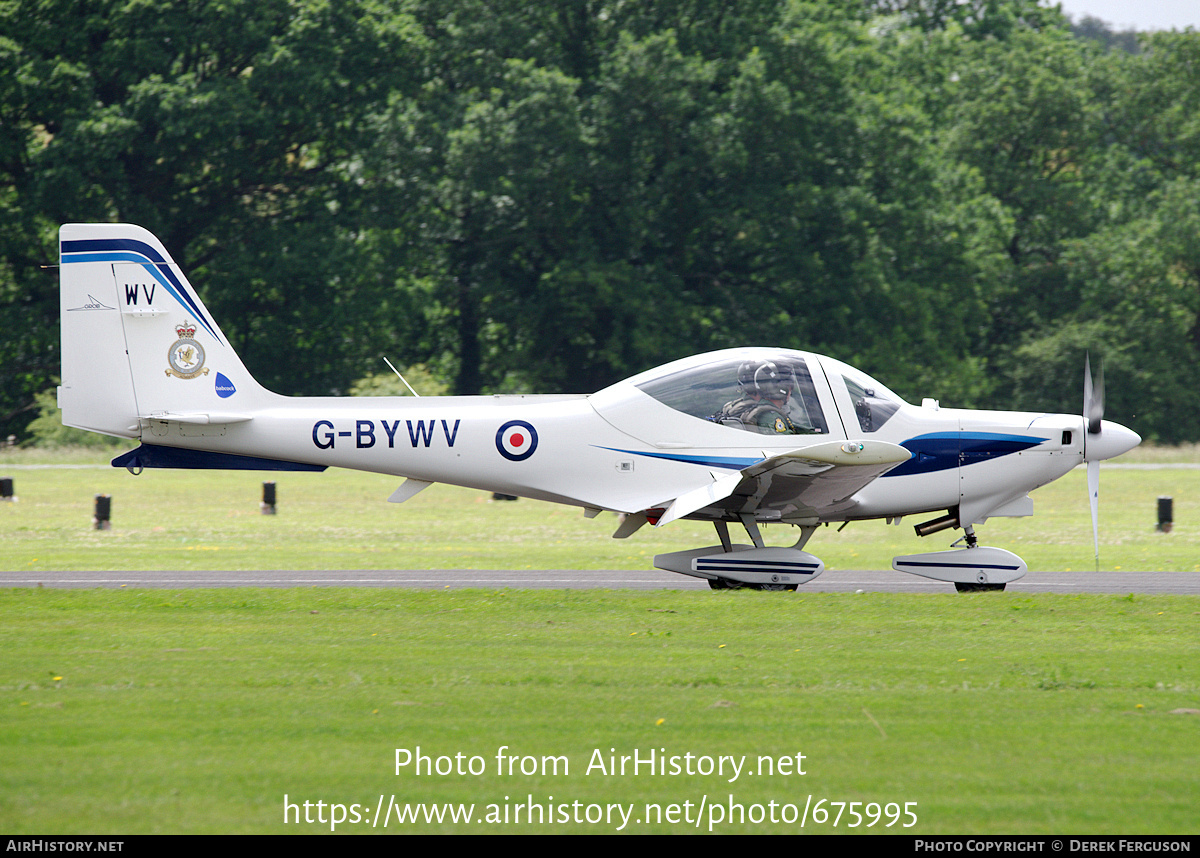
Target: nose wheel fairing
980	565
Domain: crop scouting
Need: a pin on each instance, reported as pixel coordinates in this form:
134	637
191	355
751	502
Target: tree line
961	198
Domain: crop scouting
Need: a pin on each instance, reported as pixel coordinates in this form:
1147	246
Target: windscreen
872	406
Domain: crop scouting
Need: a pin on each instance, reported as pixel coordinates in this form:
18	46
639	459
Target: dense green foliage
962	198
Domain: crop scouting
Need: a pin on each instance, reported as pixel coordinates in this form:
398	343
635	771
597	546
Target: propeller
1102	440
1093	414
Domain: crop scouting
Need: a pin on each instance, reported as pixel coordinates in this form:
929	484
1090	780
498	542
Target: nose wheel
977	588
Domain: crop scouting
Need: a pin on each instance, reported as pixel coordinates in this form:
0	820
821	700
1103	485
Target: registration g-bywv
364	435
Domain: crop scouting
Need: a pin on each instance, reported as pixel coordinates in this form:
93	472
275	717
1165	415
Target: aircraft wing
800	483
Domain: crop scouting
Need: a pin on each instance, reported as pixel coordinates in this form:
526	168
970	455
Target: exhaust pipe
945	522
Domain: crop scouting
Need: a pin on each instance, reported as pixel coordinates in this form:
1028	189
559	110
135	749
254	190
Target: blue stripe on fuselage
940	451
707	461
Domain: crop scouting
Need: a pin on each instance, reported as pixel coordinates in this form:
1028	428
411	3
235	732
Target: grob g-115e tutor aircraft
741	436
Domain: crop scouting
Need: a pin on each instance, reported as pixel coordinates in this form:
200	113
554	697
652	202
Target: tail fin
137	342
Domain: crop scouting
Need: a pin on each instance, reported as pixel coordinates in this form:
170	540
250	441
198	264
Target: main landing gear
752	567
729	584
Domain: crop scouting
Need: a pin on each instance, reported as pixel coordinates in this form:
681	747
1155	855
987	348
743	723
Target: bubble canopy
758	390
768	391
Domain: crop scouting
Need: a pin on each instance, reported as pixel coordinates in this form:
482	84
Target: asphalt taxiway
1122	582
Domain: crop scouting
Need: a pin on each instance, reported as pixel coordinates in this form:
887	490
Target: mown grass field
128	711
341	520
197	711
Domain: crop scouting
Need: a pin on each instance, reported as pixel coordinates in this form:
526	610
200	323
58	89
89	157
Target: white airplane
741	436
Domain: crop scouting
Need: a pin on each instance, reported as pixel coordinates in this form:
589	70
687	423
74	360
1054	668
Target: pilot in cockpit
763	406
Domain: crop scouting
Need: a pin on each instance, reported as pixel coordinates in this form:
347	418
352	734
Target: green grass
128	711
341	520
156	711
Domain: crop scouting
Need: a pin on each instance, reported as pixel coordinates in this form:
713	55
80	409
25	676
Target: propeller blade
1093	397
1093	414
1093	480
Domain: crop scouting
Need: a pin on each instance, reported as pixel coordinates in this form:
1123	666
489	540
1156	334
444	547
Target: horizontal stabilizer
154	456
208	418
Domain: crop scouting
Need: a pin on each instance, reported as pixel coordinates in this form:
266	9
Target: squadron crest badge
185	358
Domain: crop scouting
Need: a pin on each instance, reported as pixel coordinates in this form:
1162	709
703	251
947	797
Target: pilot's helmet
765	378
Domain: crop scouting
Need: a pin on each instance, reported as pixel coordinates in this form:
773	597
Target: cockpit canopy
769	391
760	391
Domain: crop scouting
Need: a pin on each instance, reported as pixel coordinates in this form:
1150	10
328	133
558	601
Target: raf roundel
516	440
